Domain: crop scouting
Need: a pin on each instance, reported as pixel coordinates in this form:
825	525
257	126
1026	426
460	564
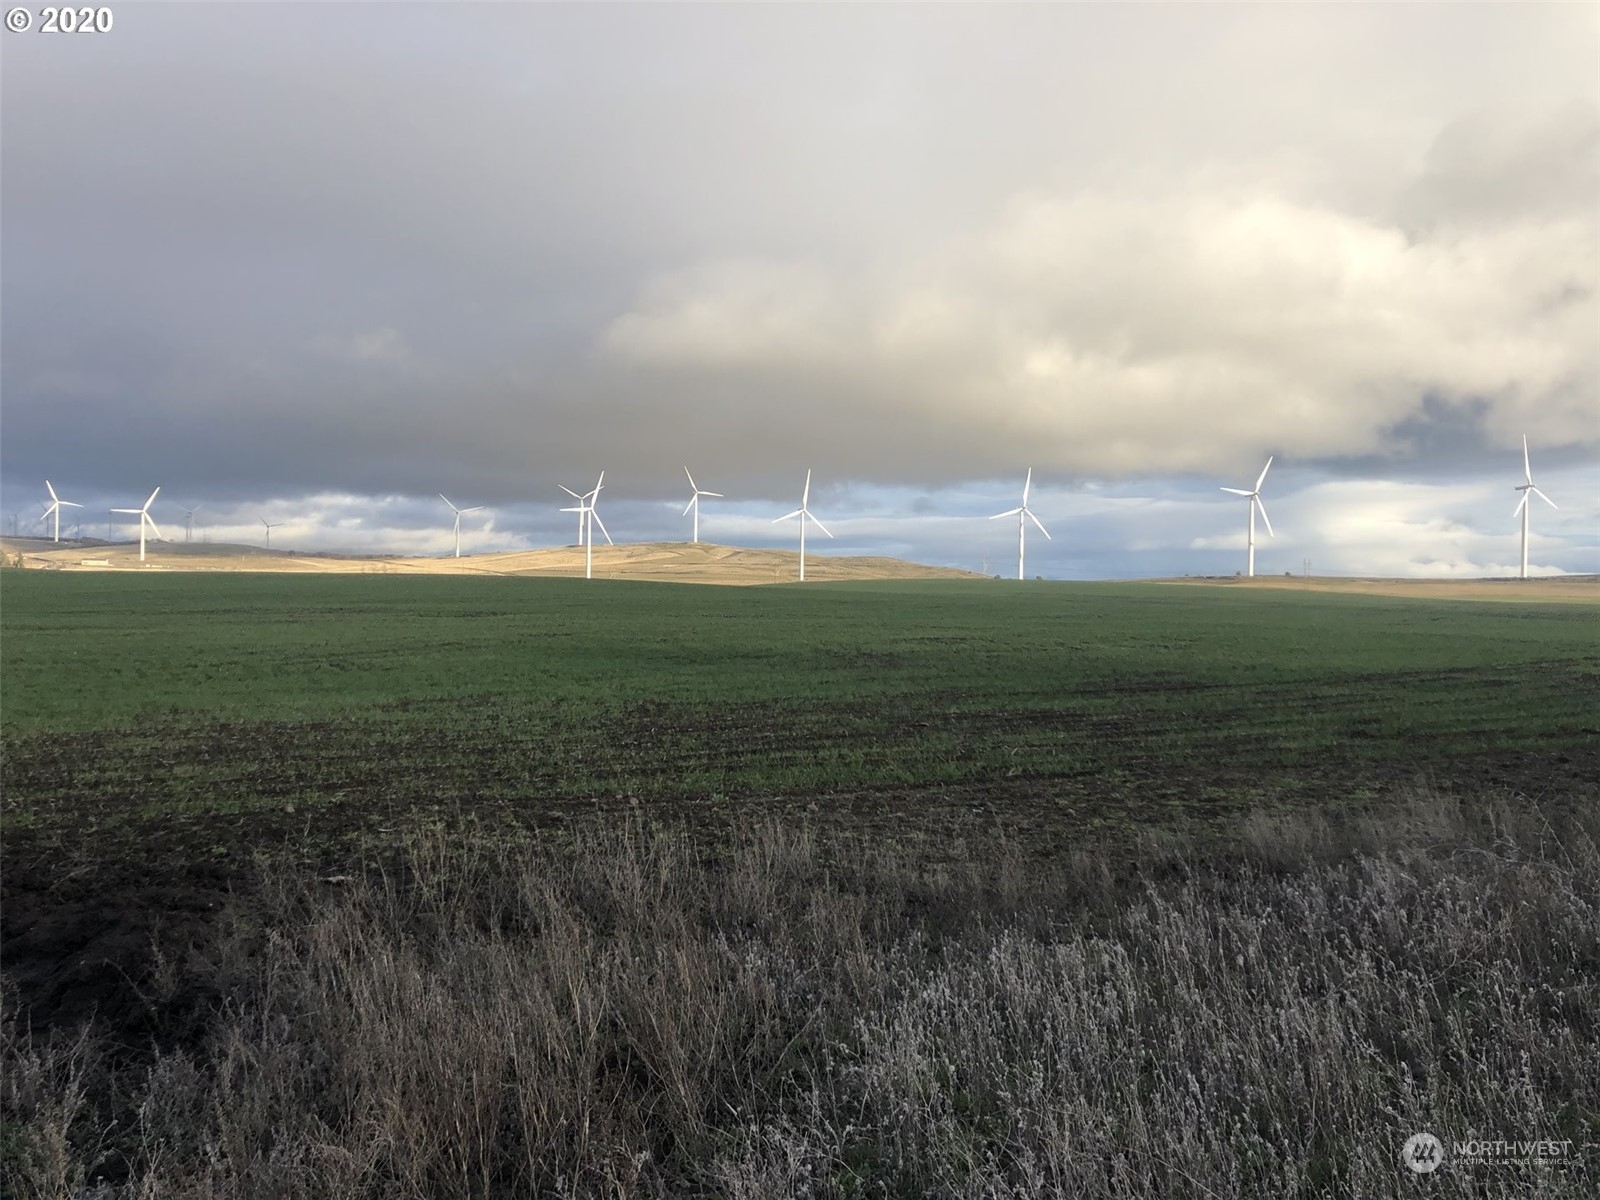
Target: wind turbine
458	512
1023	514
1255	502
804	513
1523	506
694	503
586	515
54	510
188	522
579	511
144	519
271	525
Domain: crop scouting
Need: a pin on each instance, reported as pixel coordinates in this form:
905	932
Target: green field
221	710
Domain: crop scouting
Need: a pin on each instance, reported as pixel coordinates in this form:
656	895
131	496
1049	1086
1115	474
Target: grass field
135	701
933	888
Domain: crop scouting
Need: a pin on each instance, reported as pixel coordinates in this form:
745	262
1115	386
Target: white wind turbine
694	503
804	513
144	520
1523	506
586	516
271	525
579	511
54	509
1023	514
458	512
1255	503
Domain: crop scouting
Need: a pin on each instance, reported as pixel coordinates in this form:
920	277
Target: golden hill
672	562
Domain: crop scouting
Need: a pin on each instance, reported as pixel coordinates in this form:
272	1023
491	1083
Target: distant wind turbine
188	522
458	512
694	502
579	511
144	520
1255	502
54	509
271	525
1023	514
587	517
804	513
1523	506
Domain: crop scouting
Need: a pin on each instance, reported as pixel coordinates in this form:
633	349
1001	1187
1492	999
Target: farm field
214	715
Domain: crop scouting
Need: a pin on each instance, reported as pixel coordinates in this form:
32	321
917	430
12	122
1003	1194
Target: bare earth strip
1578	589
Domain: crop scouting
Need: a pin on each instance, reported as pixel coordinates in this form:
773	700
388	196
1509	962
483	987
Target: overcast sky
316	263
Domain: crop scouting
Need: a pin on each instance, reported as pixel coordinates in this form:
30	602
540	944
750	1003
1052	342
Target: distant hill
673	562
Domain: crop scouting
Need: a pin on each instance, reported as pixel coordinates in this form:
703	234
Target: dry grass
666	562
1570	589
798	1014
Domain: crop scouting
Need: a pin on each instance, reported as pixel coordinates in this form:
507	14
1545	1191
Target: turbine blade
128	510
1527	468
1042	529
1026	484
595	517
474	508
569	492
446	499
805	496
1542	496
153	528
1010	512
574	510
691	480
1263	509
51	490
1517	511
152	499
1237	491
786	516
1264	471
690	505
718	495
601	482
819	525
70	503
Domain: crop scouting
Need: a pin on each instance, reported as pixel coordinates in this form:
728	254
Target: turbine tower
1255	502
804	513
1023	514
144	520
54	509
271	525
694	503
1523	506
586	516
458	512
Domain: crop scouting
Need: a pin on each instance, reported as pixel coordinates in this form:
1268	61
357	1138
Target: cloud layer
271	255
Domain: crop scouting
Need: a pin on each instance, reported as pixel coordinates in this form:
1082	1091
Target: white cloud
1123	331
